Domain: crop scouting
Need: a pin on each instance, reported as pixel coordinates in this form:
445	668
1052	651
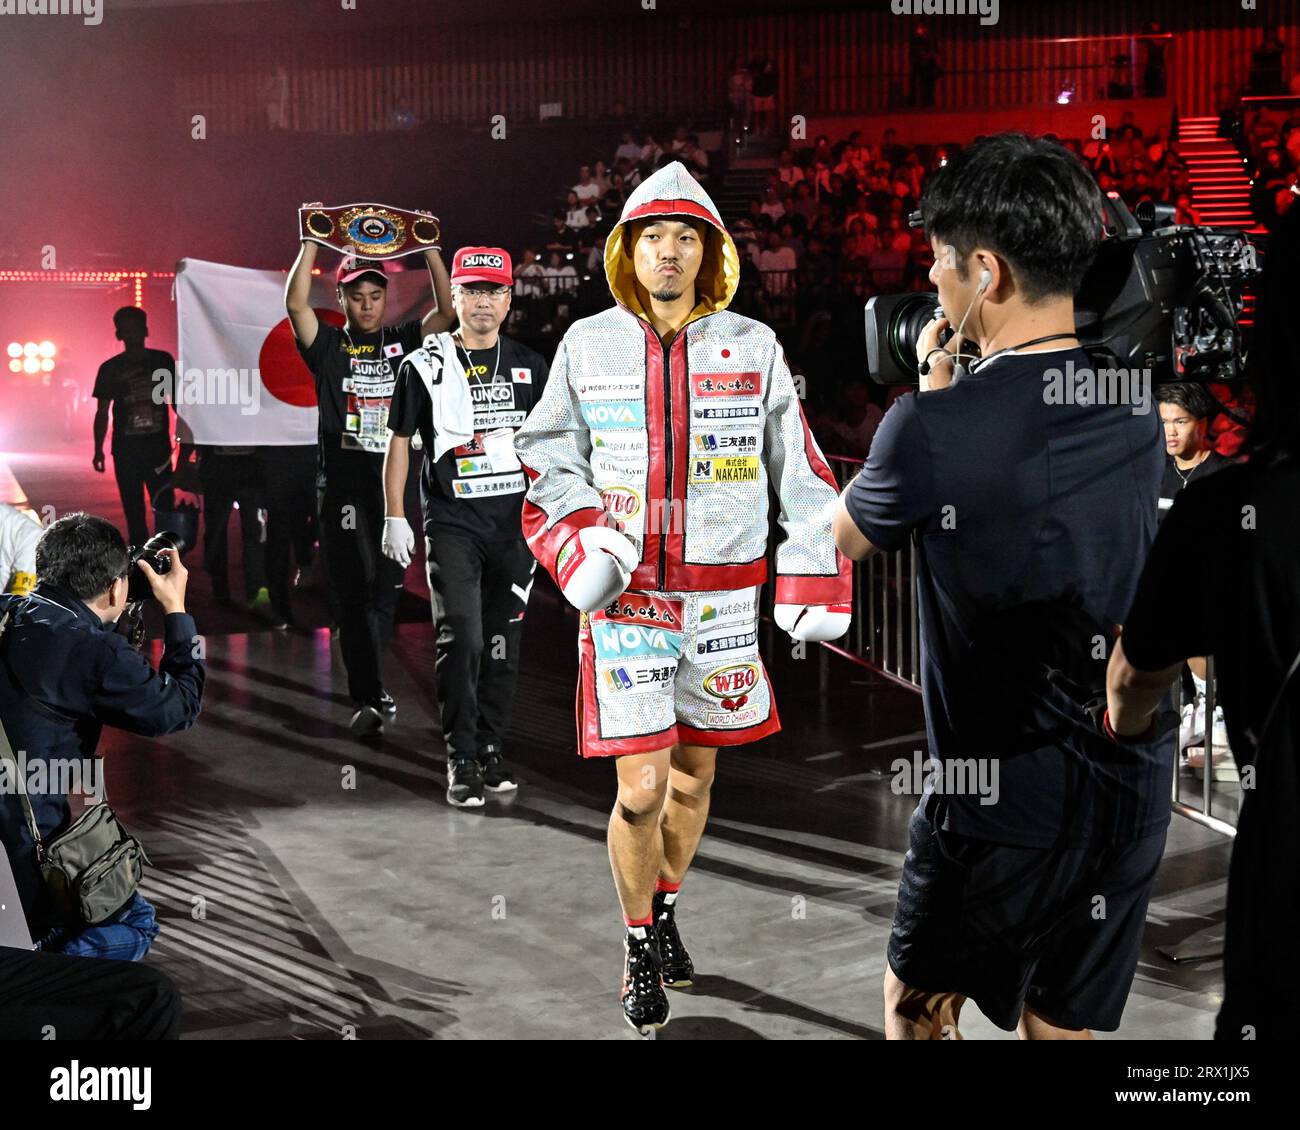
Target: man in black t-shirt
480	569
137	384
1031	514
1236	535
1185	411
355	367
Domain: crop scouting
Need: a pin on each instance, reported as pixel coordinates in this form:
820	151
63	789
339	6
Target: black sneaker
496	777
366	722
465	782
645	1004
386	705
678	969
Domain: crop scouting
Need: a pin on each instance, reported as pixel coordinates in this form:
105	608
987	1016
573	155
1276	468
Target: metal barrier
884	636
1230	795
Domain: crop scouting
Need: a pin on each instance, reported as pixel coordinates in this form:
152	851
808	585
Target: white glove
398	541
594	566
813	622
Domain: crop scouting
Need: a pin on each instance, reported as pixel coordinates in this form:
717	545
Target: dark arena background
316	868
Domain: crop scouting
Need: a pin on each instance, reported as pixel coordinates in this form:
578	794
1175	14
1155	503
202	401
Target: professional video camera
1159	296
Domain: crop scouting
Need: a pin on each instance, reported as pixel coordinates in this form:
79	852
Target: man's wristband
1142	735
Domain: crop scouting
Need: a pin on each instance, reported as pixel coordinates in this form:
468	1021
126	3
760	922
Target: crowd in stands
1272	143
829	230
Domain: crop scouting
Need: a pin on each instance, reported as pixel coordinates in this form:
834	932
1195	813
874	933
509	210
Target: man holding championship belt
472	489
355	367
650	455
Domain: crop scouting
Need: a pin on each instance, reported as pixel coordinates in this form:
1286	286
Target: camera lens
912	315
153	552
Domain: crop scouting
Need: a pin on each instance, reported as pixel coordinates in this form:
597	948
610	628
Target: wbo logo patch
622	502
732	684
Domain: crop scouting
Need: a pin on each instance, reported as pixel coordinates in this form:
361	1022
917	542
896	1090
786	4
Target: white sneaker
1224	765
1219	734
1192	728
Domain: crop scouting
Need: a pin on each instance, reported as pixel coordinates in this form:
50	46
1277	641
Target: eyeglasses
494	292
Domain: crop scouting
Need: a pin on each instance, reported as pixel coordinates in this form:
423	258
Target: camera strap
7	754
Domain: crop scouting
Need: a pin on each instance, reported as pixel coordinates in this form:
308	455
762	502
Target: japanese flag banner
240	379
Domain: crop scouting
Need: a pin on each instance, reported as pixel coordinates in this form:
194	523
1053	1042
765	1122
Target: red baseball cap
482	264
353	268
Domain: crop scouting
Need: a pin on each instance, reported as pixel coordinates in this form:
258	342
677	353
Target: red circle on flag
284	373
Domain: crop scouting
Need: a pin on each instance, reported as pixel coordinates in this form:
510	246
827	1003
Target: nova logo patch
628	641
614	414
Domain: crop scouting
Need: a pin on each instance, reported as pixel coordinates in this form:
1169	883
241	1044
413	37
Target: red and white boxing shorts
657	669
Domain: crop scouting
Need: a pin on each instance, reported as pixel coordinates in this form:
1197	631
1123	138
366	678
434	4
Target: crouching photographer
1031	513
64	675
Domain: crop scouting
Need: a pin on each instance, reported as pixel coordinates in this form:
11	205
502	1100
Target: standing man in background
479	566
142	441
355	368
1185	411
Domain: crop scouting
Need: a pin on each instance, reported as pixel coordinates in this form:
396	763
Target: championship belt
371	231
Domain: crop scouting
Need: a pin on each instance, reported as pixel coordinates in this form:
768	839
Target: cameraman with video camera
1031	517
64	675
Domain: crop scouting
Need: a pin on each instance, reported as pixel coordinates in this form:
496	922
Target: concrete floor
311	886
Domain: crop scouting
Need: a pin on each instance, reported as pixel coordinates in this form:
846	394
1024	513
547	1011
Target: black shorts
1058	929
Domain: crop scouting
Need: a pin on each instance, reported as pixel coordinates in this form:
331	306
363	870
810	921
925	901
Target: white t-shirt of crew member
525	288
566	279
